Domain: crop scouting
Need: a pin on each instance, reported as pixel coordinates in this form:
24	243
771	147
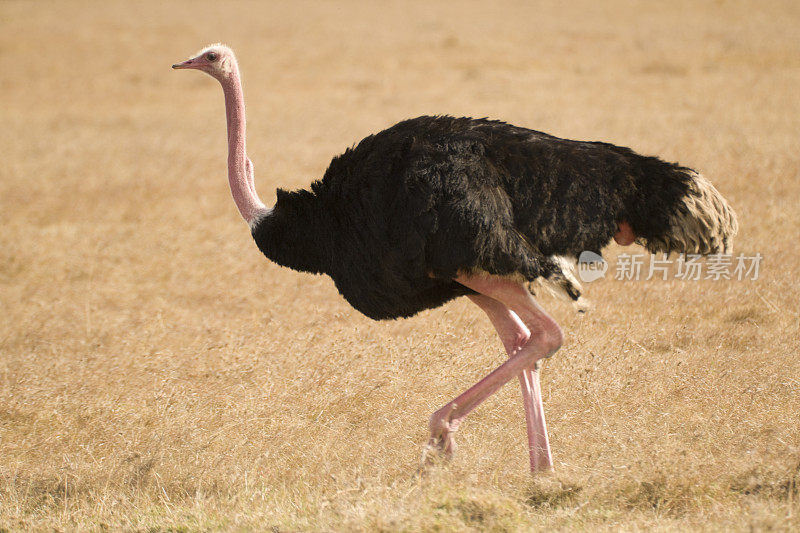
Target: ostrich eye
212	56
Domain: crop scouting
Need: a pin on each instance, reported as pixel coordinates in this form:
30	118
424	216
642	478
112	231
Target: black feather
394	219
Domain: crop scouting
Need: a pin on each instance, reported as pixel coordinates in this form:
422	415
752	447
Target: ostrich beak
189	63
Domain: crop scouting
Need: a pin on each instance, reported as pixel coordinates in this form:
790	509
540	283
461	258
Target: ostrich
438	207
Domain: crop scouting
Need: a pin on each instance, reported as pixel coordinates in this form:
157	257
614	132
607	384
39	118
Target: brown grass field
156	373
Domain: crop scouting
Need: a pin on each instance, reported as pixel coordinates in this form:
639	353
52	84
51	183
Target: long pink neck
239	175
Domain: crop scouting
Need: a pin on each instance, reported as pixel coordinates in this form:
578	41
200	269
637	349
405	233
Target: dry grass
157	373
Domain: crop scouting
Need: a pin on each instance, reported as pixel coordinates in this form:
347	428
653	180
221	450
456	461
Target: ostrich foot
442	427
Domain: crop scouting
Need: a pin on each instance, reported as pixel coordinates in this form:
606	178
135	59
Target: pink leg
538	443
528	335
514	334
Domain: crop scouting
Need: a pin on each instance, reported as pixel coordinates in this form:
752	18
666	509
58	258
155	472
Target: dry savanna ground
157	373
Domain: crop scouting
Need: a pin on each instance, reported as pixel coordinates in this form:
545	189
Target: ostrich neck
239	176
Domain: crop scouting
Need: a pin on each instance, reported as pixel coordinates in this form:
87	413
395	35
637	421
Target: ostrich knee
544	341
555	338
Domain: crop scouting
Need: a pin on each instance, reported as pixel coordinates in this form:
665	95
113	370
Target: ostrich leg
514	334
538	443
528	335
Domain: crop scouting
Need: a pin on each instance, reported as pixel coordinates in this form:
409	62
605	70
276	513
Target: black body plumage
397	217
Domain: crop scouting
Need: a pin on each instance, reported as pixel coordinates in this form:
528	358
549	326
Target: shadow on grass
552	494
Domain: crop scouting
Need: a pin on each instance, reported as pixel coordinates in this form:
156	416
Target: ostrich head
216	60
